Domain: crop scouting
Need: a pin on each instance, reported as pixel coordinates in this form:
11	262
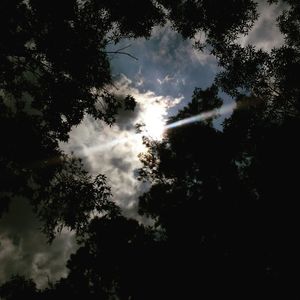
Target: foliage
19	288
223	203
229	19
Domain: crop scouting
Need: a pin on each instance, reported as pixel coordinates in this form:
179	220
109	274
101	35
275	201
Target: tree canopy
55	68
223	202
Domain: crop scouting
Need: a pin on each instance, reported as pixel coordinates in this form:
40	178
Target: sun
153	119
155	130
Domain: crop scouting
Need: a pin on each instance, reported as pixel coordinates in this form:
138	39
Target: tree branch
120	52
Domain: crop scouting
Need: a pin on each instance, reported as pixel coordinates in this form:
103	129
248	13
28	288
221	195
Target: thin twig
123	48
121	52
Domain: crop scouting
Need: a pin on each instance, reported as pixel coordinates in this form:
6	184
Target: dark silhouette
19	288
223	202
220	20
55	68
227	200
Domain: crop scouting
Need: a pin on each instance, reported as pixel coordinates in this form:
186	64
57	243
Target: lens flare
134	138
157	128
203	116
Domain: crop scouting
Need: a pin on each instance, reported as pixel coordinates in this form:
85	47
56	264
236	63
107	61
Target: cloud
114	150
166	79
265	33
9	252
167	65
24	249
163	79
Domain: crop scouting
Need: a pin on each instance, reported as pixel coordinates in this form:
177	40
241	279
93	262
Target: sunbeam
203	116
98	148
155	133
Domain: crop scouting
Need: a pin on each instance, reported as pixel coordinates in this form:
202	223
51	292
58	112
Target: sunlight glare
154	122
155	126
225	109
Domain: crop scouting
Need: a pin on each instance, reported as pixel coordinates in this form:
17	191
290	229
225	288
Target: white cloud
265	33
172	49
114	150
166	79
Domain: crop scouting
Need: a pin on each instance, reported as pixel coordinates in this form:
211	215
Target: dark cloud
126	119
121	164
24	249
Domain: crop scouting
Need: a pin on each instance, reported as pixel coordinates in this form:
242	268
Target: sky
162	80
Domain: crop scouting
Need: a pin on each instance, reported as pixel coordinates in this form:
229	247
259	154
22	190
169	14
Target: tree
268	76
54	69
18	288
224	23
235	192
116	259
222	202
225	203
